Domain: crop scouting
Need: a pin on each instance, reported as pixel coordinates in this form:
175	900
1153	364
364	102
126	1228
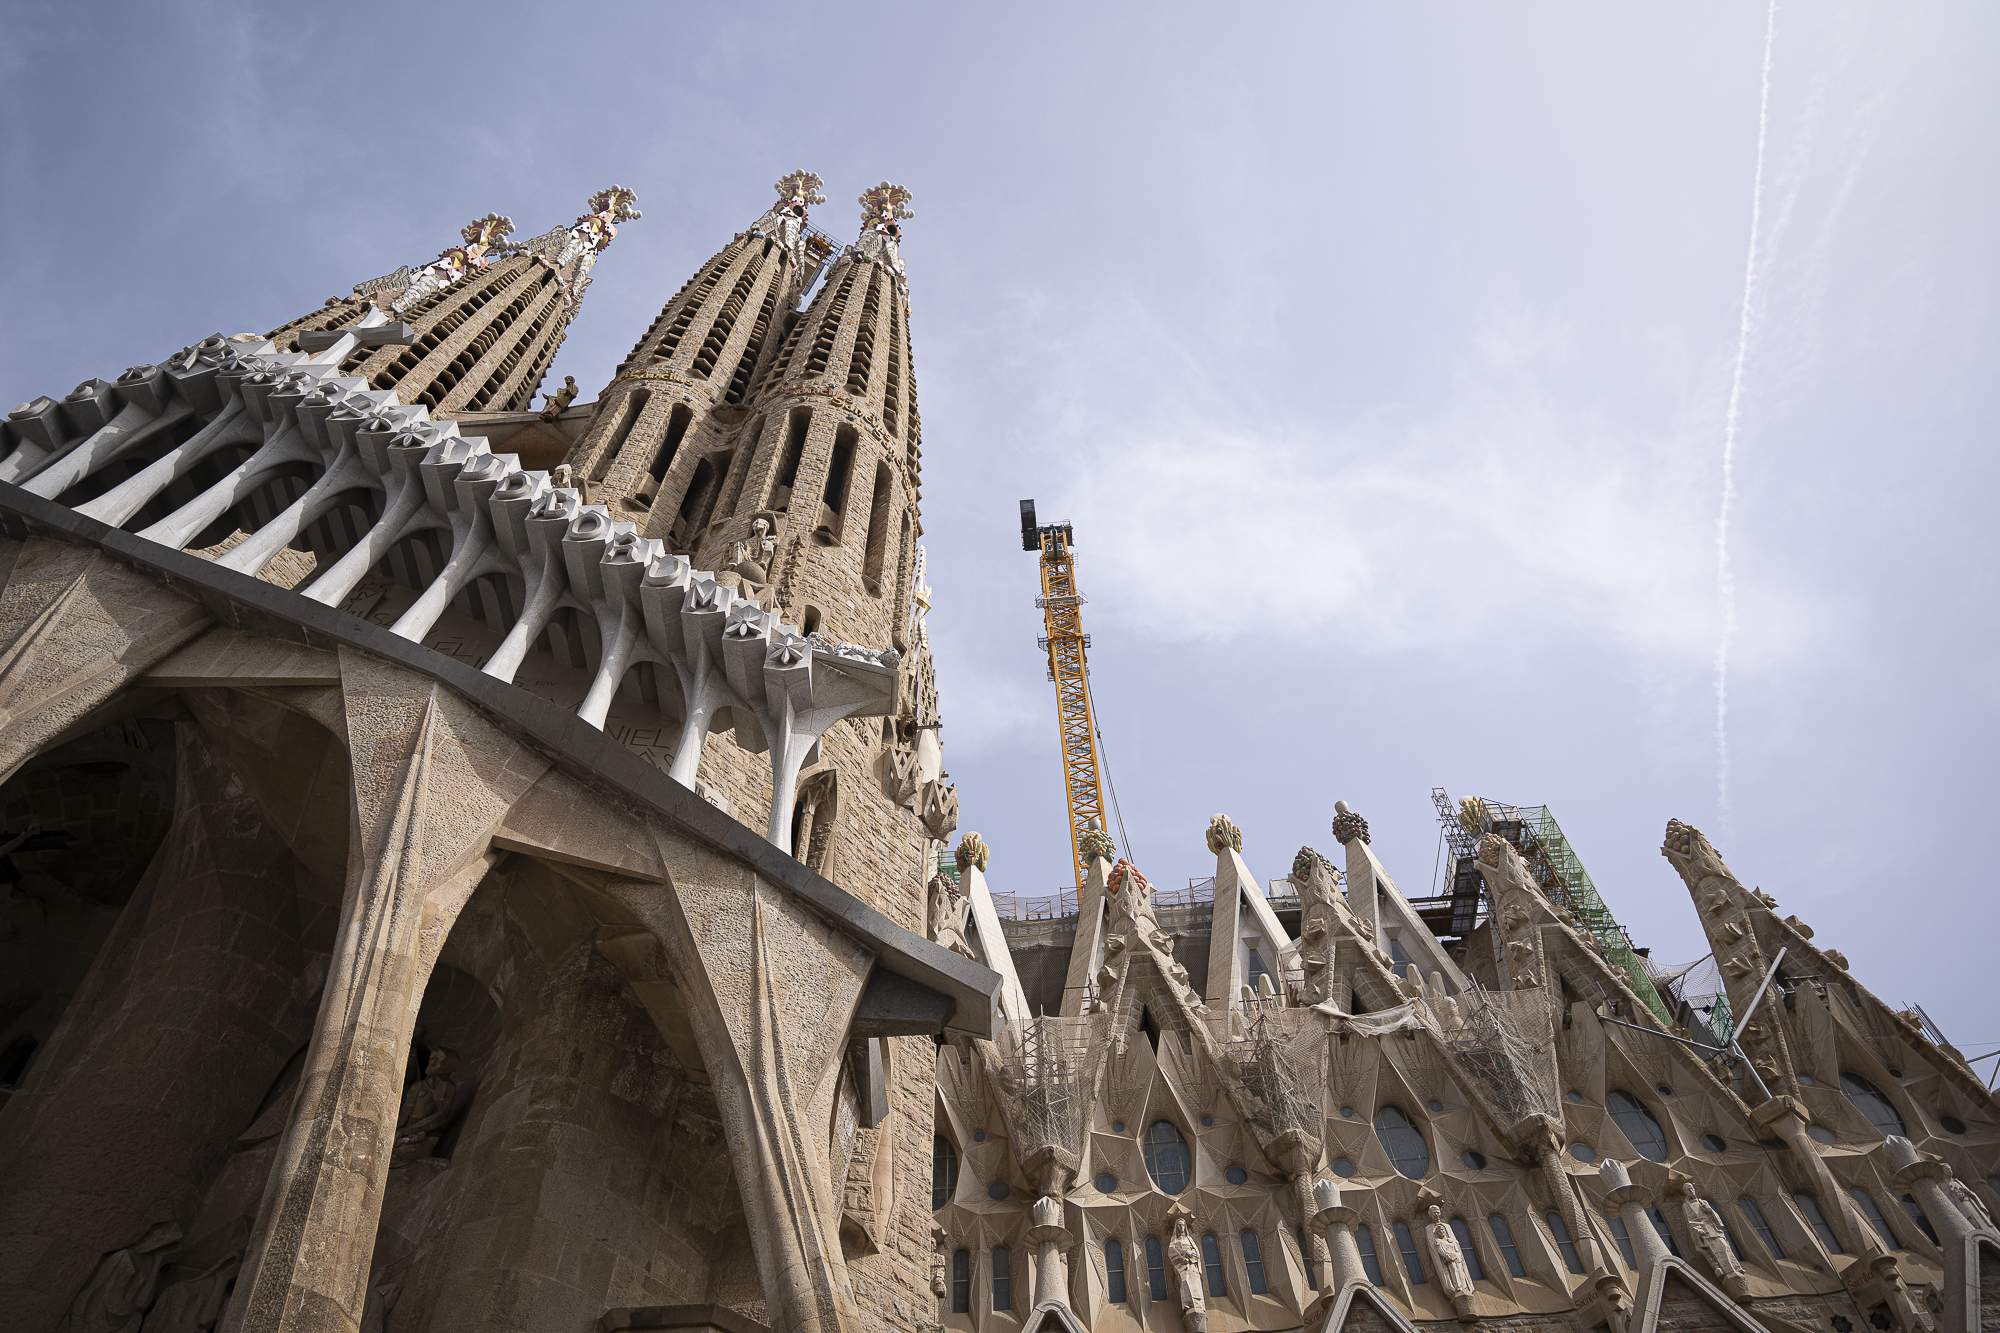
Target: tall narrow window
1666	1232
663	457
796	428
1917	1215
1307	1258
1114	1271
1166	1156
628	417
1866	1202
1211	1263
961	1282
1755	1216
1809	1209
1255	971
1559	1233
878	529
944	1172
1253	1261
1403	1141
1413	1262
1503	1238
833	500
1868	1100
1640	1127
1476	1269
1003	1278
696	506
1156	1269
1371	1263
1624	1239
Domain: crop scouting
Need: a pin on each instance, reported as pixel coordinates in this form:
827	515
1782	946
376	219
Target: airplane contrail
1725	576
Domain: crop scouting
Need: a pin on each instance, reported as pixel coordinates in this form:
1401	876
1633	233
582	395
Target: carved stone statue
123	1285
1222	832
1184	1257
1313	876
750	559
1968	1202
938	1267
1711	1239
949	908
429	1105
1453	1275
553	404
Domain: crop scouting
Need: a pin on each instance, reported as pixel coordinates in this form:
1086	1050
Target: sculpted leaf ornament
972	851
1096	844
1222	832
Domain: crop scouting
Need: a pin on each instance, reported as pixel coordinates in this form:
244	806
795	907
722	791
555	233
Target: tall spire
572	251
482	240
475	329
665	450
884	208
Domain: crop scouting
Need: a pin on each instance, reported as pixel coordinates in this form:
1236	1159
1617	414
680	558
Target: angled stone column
770	991
75	628
432	779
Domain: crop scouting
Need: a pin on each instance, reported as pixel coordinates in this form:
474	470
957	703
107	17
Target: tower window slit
795	449
628	416
862	361
725	321
892	394
746	365
833	500
663	457
829	326
878	530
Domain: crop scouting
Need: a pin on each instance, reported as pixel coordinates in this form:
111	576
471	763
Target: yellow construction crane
1062	620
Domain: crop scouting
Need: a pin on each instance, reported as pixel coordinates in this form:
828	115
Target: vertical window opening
1114	1272
1211	1264
628	417
1156	1269
663	458
1809	1208
1471	1251
833	500
961	1282
1755	1215
1413	1262
1371	1263
1503	1238
788	467
944	1172
1559	1232
1003	1278
1253	1261
878	530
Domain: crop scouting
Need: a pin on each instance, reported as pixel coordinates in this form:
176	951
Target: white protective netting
1048	1067
1506	1039
1280	1062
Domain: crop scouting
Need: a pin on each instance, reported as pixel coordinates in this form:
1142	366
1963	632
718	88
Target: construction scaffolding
1281	1063
1048	1067
1533	831
1506	1039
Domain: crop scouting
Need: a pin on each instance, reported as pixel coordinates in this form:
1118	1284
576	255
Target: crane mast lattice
1067	646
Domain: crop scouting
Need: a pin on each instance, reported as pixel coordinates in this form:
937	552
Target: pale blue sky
1379	353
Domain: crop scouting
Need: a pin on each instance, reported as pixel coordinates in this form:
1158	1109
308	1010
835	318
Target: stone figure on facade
750	559
1711	1238
949	910
1184	1258
1453	1274
554	404
429	1106
1313	877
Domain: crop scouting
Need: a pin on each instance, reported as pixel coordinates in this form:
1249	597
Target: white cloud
1498	516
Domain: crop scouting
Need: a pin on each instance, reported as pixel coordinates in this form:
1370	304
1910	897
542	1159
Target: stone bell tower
475	329
667	448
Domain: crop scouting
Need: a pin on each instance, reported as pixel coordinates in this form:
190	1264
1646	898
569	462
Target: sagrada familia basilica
473	863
